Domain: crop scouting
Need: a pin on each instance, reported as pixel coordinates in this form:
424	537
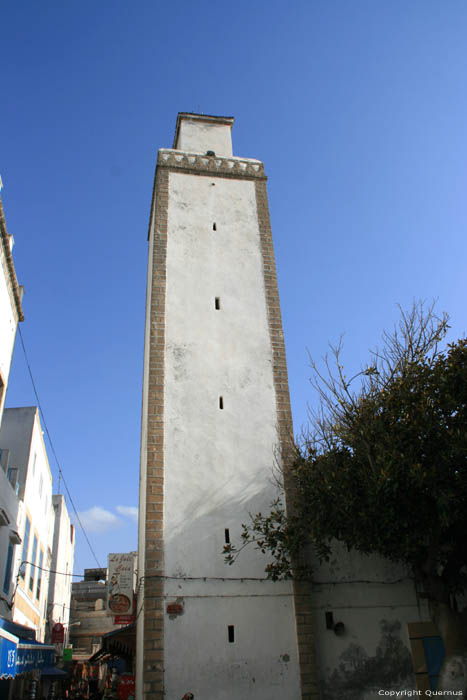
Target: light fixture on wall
337	627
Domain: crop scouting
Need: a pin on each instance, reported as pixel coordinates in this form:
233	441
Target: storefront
26	666
117	658
8	646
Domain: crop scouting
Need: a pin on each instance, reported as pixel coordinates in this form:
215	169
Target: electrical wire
50	571
60	472
249	578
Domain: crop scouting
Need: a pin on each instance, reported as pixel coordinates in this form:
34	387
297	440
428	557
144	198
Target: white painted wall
198	137
10	505
219	463
63	552
8	497
8	325
368	594
21	433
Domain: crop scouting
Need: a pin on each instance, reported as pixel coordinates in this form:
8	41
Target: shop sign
124	619
8	644
174	608
58	633
32	656
121	579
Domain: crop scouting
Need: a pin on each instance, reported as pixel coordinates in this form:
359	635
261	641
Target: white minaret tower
216	413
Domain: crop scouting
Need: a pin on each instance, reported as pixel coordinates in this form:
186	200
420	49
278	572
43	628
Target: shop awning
53	671
121	643
33	655
20	652
8	643
18	630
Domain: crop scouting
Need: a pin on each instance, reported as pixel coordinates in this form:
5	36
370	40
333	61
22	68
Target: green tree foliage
384	468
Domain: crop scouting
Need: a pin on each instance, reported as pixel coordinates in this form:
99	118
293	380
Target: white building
10	305
63	554
216	415
10	314
9	535
21	435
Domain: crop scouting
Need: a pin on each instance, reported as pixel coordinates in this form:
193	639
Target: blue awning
8	643
20	652
53	671
17	630
31	655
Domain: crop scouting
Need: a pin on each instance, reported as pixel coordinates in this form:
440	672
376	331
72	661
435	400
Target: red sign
124	619
119	603
174	608
126	687
58	633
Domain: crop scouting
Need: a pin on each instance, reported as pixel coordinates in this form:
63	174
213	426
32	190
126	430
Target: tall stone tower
216	412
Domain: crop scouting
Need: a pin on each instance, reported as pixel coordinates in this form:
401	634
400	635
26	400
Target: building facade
10	314
90	619
21	436
11	311
216	422
63	554
9	535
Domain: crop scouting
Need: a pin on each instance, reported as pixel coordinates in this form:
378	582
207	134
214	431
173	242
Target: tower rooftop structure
200	133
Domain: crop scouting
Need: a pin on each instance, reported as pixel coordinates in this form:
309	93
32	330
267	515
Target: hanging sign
120	586
58	633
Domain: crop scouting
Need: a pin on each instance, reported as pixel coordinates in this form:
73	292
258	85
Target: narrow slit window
231	633
221	402
214	226
217	303
227	535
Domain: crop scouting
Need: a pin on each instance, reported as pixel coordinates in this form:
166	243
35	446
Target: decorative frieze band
9	269
230	167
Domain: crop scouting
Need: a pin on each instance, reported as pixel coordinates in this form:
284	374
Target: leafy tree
384	470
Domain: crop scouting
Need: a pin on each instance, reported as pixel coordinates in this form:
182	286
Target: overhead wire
60	471
50	571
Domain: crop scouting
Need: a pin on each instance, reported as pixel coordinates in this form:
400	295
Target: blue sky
358	110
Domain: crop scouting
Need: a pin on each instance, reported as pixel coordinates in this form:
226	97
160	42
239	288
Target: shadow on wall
359	674
203	520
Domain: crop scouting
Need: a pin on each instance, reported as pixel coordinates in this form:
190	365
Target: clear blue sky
359	111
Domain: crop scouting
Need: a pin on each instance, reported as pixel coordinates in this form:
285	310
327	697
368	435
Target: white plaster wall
8	503
365	593
219	463
62	561
25	441
199	137
7	331
253	667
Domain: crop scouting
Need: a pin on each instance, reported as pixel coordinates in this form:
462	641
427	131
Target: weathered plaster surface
63	553
360	675
8	323
196	137
21	433
219	463
375	599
